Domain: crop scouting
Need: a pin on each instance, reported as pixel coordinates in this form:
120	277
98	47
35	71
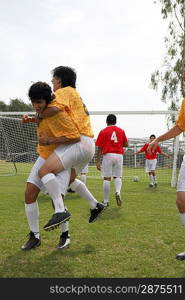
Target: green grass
139	239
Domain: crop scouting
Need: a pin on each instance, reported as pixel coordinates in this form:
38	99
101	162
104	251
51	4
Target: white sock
182	216
52	186
83	178
32	213
64	227
79	187
106	190
155	179
117	184
151	179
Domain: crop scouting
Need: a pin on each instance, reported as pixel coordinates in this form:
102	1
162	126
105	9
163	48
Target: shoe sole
118	200
26	249
52	227
98	215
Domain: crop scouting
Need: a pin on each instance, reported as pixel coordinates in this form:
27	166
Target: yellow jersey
58	125
181	117
68	99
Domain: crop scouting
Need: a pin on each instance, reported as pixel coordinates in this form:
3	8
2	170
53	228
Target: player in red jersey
111	142
151	160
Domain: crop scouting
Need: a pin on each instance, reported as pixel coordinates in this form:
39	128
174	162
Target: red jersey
153	155
112	140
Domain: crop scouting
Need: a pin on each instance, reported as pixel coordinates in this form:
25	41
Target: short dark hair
40	90
66	74
111	119
152	135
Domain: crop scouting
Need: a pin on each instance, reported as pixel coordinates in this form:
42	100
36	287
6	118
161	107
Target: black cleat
96	212
151	185
155	184
64	241
180	256
57	219
33	242
70	191
118	199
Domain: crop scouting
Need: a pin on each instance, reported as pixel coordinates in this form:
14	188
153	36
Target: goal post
18	144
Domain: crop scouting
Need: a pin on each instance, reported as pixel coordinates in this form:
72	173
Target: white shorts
85	169
112	165
62	177
150	165
77	155
181	177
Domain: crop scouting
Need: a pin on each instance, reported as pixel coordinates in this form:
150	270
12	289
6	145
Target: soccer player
111	142
180	194
76	156
151	160
59	129
83	177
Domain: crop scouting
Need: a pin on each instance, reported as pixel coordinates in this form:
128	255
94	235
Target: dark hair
111	119
152	135
67	76
40	90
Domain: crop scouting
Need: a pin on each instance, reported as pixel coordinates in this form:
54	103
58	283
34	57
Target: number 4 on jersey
114	137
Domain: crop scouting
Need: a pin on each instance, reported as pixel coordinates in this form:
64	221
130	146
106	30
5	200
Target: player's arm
44	139
49	112
165	154
99	154
172	133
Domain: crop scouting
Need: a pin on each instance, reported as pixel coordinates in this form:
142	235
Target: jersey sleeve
99	141
143	149
125	139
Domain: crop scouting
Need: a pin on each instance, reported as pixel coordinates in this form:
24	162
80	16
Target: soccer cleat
96	212
155	184
180	256
118	199
106	204
70	191
57	219
151	185
32	242
64	241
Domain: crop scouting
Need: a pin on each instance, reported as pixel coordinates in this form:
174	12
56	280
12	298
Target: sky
114	46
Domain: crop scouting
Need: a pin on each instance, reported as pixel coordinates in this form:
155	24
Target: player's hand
98	166
43	139
25	119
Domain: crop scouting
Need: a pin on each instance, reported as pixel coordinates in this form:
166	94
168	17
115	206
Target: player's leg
180	200
148	170
106	172
79	187
117	175
155	178
64	240
61	214
83	174
33	188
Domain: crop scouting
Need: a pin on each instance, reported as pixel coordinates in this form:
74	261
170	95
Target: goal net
18	144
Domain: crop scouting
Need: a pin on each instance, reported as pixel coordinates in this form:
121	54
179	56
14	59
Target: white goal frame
175	141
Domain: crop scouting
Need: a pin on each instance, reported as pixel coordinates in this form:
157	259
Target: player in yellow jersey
78	155
55	130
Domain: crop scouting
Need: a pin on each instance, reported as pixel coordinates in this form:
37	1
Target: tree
3	106
171	76
19	105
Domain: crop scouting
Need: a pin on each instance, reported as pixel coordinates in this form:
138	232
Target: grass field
138	240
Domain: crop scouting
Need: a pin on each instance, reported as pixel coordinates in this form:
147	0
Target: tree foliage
170	77
15	105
